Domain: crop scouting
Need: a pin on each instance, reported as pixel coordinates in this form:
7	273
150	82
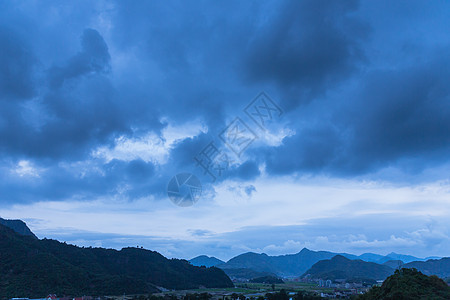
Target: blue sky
103	102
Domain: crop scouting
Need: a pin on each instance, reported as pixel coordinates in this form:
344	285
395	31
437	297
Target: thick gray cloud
92	73
395	116
57	182
93	58
17	66
305	47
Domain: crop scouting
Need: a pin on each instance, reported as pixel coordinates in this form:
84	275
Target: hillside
438	267
409	284
381	259
18	226
250	265
296	264
395	256
340	267
267	280
283	265
371	257
246	273
394	264
206	261
256	262
35	268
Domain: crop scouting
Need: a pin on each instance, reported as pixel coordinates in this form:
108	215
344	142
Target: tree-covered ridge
206	261
409	284
18	226
35	268
352	270
246	273
282	265
438	267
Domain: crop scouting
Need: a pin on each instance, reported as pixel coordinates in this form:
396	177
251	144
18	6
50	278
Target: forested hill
35	268
206	261
18	226
438	267
352	270
409	284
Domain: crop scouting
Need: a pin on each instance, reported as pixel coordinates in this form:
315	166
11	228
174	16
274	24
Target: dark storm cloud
246	171
64	124
93	58
310	150
67	119
94	72
187	155
185	151
398	118
132	180
82	108
403	114
193	55
17	66
77	109
305	47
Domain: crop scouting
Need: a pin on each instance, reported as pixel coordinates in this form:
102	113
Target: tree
409	284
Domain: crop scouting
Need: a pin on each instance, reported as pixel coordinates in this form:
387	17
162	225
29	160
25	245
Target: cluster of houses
341	284
340	294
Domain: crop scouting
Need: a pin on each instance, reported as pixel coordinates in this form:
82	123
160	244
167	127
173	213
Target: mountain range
439	267
291	265
30	267
249	265
340	267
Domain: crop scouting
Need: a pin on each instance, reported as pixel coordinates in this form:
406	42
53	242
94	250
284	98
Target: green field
253	289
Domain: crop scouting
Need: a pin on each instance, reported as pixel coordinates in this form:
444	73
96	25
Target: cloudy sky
329	122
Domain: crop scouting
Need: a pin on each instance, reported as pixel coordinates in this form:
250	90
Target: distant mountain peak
207	261
289	265
343	267
340	257
254	253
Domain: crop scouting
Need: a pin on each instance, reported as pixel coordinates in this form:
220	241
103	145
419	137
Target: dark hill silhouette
409	284
340	267
206	261
282	265
395	256
394	264
246	273
18	226
34	268
250	260
296	264
438	267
